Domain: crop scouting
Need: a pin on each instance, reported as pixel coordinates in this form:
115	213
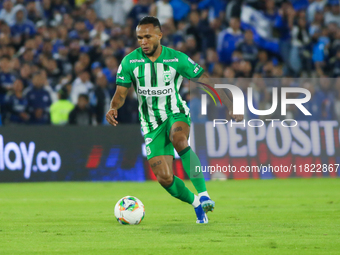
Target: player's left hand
236	117
111	117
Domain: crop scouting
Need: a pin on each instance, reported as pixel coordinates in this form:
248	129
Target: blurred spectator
270	10
81	85
317	23
25	74
111	68
317	5
227	40
218	71
191	47
6	76
84	59
101	98
140	10
48	86
229	75
217	6
79	26
96	68
16	105
333	16
82	114
63	61
320	53
61	109
68	21
163	11
117	9
284	23
7	13
91	18
248	48
334	65
32	12
194	29
128	113
22	27
180	9
85	38
38	101
99	32
299	53
74	51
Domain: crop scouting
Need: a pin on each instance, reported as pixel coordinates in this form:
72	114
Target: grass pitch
292	216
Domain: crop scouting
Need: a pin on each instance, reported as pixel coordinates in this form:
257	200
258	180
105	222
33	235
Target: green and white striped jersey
157	84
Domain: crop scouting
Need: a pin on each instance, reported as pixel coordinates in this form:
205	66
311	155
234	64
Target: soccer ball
129	211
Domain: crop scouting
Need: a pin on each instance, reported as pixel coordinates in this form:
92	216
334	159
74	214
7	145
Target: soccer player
156	73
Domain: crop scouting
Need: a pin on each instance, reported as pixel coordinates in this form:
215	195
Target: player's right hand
111	117
236	117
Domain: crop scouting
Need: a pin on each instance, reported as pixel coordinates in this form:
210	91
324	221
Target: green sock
178	190
190	161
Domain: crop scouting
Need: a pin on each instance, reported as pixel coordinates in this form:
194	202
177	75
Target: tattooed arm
116	102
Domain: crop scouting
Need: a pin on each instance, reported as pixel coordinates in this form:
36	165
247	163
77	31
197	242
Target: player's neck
157	53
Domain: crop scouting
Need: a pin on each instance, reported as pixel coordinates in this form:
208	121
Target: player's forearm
117	101
225	99
223	95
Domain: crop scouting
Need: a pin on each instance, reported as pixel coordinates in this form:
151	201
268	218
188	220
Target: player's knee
180	143
165	179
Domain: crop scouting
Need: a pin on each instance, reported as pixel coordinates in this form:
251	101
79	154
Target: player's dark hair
150	20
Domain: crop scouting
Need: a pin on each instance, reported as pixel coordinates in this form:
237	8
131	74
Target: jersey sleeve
124	75
188	68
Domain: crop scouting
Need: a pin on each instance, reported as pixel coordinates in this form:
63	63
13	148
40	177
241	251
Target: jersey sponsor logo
196	69
167	76
121	77
170	60
191	61
155	92
137	61
148	140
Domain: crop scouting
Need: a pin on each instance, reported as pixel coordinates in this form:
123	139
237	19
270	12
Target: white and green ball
129	211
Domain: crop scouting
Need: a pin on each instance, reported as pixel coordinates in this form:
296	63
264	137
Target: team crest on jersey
167	76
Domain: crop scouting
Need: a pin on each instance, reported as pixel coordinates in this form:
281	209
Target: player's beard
155	46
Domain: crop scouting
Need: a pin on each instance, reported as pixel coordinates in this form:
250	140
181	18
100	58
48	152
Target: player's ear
160	35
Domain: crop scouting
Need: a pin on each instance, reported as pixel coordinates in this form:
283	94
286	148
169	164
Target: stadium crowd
59	58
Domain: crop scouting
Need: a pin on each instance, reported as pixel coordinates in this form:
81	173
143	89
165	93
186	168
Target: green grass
292	216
